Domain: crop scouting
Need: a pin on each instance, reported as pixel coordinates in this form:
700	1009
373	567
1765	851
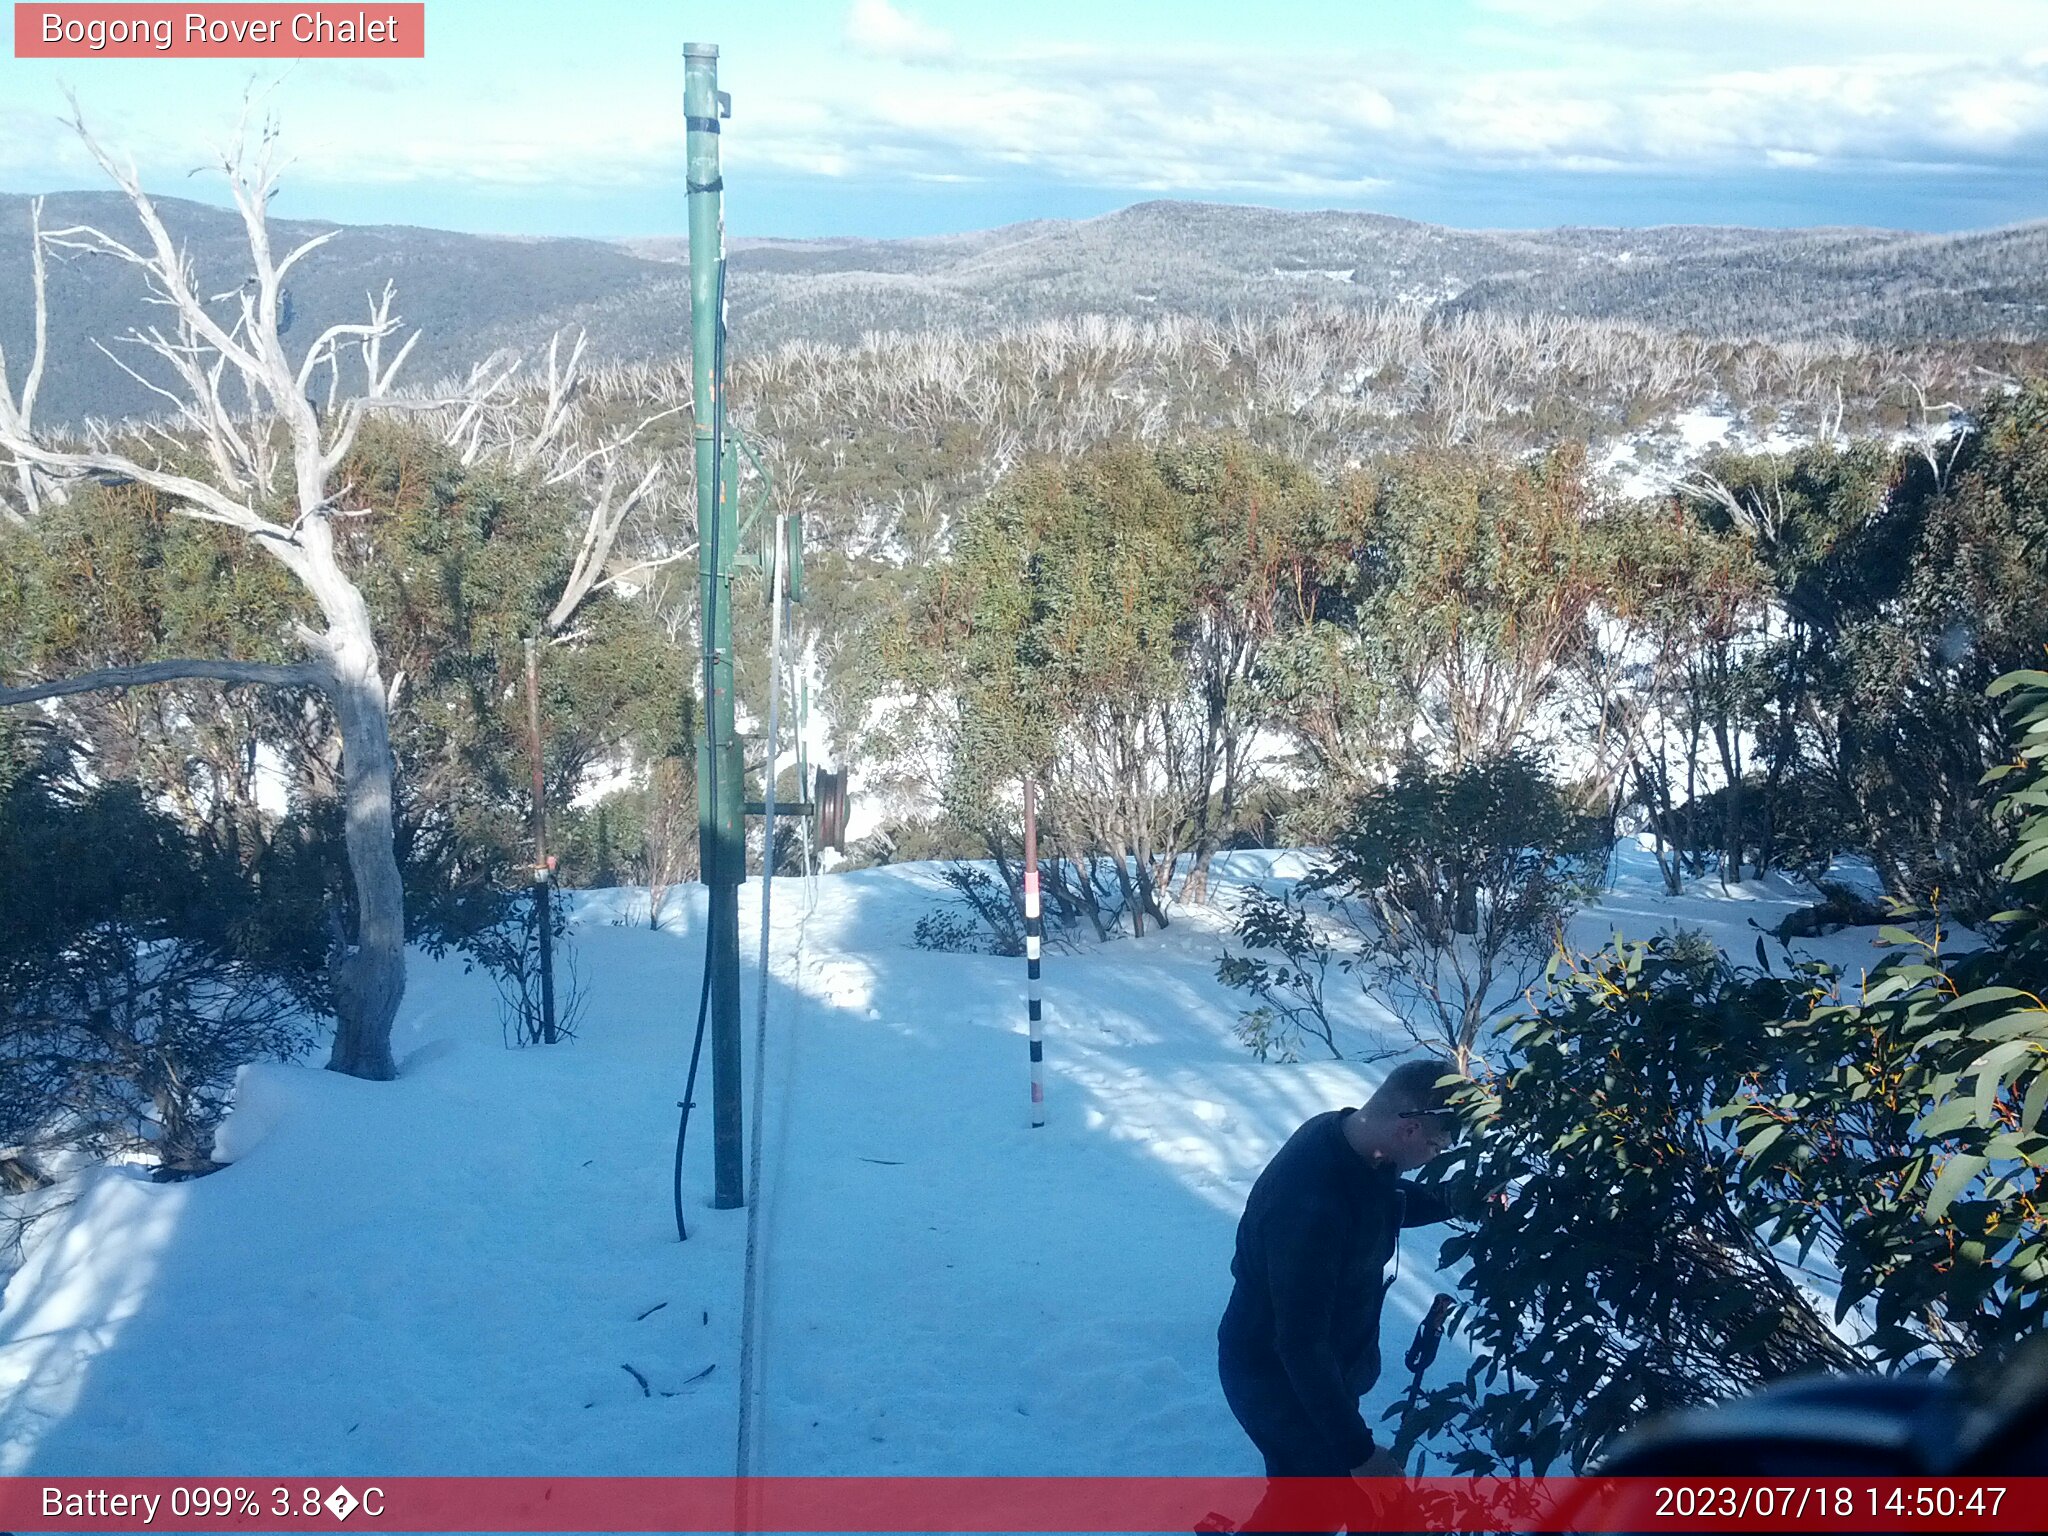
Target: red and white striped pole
1033	934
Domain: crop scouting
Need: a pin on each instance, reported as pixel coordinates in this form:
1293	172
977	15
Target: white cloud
1809	31
877	27
1993	116
1571	89
1198	120
1200	124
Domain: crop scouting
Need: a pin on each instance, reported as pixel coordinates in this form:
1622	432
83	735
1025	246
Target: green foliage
1908	1139
641	834
1490	571
1785	663
1469	875
1674	1142
1437	596
511	951
1619	1275
459	567
1292	990
113	576
1822	523
1068	590
1444	891
1097	626
1669	675
204	944
138	965
1908	584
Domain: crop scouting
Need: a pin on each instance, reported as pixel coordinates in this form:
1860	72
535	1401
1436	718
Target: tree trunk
1664	824
1729	746
1150	884
1464	901
1085	894
1132	904
369	973
1152	867
19	1174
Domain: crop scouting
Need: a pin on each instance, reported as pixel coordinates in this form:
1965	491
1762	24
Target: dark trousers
1270	1413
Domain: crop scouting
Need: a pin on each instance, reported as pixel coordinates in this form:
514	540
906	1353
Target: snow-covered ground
453	1272
1648	461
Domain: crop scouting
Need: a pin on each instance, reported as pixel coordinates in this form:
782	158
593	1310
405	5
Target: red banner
104	31
1172	1504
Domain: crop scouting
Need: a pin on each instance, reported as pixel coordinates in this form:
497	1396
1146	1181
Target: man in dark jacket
1299	1344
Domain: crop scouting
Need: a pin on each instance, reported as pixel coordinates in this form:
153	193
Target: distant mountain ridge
471	293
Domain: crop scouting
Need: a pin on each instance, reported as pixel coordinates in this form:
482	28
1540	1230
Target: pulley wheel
831	802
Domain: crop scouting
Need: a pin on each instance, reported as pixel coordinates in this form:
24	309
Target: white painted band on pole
1032	953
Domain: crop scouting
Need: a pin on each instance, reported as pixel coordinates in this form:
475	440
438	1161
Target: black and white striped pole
1033	946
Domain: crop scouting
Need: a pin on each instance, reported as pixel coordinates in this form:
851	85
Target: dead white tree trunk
275	458
18	413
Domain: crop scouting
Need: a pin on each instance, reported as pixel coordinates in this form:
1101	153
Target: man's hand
1379	1464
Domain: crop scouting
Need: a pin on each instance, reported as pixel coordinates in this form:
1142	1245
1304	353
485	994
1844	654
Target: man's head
1408	1119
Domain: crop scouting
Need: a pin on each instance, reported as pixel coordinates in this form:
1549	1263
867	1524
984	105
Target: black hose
696	1051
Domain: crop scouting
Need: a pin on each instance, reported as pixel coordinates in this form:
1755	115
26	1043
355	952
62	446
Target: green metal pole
721	839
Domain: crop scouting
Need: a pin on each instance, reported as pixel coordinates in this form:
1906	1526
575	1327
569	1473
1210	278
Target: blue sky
905	117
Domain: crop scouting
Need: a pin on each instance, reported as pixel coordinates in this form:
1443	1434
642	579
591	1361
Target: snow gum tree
1490	573
1676	606
1899	589
245	448
1445	889
1100	625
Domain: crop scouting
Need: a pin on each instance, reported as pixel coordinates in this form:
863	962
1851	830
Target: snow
1854	873
1648	461
606	777
1700	429
273	781
450	1273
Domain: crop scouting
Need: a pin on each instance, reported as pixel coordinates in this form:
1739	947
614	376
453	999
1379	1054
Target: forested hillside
471	294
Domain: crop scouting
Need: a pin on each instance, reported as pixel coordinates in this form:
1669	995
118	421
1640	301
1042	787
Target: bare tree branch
303	674
203	502
617	578
603	527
